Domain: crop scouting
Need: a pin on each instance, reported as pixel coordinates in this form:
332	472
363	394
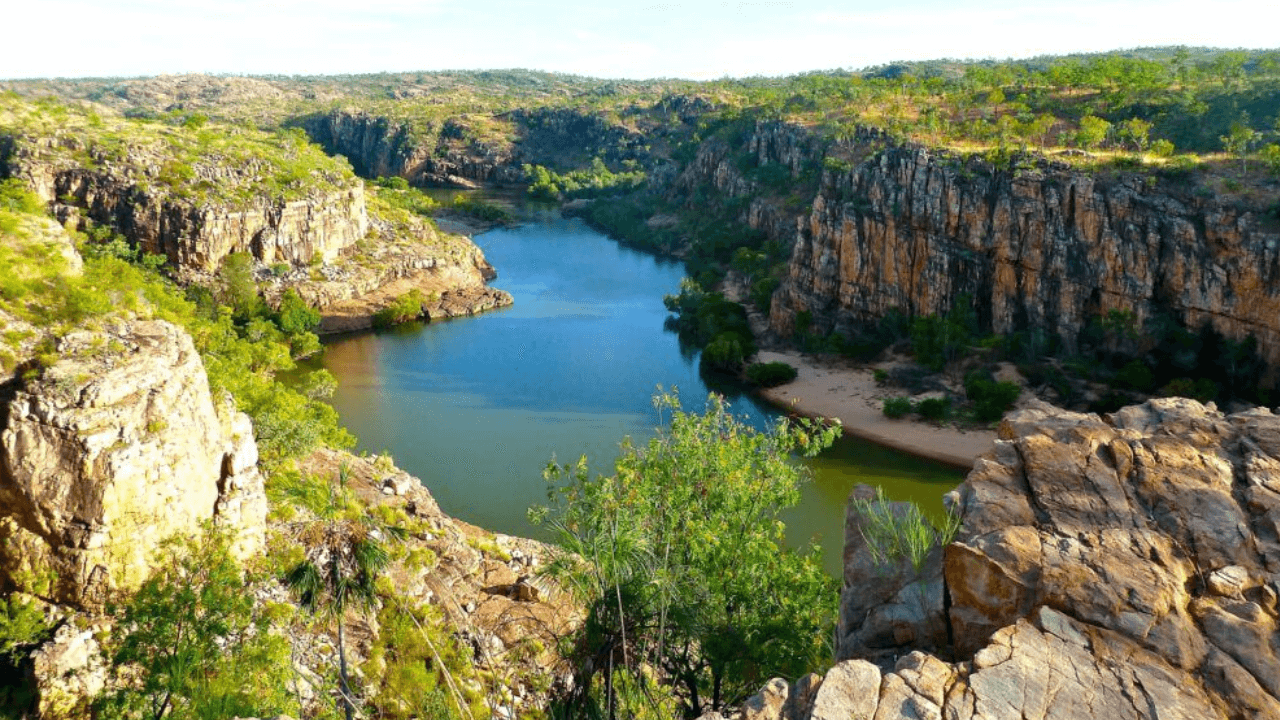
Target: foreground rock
116	447
1118	568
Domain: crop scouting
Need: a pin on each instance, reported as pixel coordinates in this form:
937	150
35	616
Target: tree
343	560
236	287
191	643
679	558
1136	131
1240	140
1093	131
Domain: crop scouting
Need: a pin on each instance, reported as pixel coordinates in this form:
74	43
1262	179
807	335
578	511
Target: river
476	407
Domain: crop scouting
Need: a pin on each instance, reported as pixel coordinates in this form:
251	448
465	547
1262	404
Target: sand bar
840	390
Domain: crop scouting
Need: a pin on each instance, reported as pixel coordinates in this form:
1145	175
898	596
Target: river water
476	407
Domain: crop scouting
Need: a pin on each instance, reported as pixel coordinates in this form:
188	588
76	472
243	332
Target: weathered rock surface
1117	568
1047	248
112	450
194	234
448	269
485	584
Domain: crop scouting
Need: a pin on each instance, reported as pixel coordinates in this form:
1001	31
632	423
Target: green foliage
403	309
295	316
192	644
935	409
680	560
901	533
991	399
595	181
771	374
480	209
706	319
1202	389
343	559
1135	375
897	407
937	340
236	287
22	626
724	353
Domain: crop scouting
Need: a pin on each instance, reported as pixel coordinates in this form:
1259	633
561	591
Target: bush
1136	376
771	374
897	407
991	399
724	354
935	408
681	551
1203	389
405	308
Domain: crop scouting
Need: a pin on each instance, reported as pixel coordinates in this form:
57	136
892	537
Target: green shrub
724	353
991	399
770	374
893	535
1136	376
897	407
935	408
405	308
1203	389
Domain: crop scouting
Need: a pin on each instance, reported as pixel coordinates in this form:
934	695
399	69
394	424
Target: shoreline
835	390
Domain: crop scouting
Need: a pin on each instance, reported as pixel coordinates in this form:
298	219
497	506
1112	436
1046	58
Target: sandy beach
851	394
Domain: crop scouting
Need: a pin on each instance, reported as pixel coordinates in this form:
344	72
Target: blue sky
641	39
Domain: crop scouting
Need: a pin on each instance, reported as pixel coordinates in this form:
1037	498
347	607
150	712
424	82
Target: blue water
476	407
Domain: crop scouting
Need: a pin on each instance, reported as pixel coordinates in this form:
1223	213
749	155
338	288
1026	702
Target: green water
476	407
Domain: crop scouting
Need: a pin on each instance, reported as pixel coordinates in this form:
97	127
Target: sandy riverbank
850	393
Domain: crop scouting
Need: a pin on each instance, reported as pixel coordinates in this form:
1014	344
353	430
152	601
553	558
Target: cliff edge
1124	567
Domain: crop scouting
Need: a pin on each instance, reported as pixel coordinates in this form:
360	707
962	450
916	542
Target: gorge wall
458	152
1042	248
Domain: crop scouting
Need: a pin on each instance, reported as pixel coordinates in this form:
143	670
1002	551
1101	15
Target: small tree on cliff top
680	561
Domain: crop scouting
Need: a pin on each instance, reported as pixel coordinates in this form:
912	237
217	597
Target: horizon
696	40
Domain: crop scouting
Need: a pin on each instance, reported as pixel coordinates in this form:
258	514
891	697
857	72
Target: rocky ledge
1124	567
113	449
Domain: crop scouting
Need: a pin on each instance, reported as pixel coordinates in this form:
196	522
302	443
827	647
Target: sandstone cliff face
112	450
1119	568
451	153
196	236
1046	248
730	171
380	147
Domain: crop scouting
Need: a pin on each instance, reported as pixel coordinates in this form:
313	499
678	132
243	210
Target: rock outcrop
1124	567
1045	248
192	195
113	449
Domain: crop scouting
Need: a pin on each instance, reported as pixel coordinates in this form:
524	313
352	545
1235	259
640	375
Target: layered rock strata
1118	568
1044	248
195	235
112	450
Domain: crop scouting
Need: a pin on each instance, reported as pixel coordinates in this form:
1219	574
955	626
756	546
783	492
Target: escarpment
115	448
1046	249
191	194
1124	567
465	152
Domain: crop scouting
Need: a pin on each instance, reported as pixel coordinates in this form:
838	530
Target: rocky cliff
193	194
469	151
113	449
1124	567
1041	247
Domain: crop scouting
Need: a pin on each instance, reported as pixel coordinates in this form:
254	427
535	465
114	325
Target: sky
698	39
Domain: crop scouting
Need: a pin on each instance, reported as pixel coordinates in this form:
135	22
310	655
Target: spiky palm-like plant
343	560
